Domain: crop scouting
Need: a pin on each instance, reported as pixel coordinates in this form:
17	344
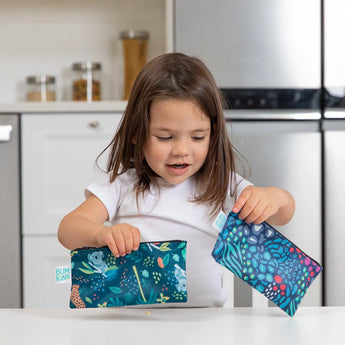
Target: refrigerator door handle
5	133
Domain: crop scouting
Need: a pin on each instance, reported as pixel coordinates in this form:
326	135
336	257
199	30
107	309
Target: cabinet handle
5	132
94	124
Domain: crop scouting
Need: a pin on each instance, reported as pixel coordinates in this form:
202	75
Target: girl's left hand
256	205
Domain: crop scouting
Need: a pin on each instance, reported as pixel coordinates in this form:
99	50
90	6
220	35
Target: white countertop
68	106
310	325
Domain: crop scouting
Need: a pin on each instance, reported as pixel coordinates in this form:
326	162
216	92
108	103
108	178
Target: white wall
47	36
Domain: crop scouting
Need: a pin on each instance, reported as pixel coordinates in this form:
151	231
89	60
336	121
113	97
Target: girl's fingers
243	199
240	202
113	249
127	239
130	237
248	211
256	213
120	243
136	239
263	216
121	239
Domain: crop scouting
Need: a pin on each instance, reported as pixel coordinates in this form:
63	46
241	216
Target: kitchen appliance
10	242
265	56
284	153
334	150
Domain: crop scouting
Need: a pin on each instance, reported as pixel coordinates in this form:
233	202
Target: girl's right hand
121	239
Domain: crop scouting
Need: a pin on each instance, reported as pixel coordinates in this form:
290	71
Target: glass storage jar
87	86
41	88
134	46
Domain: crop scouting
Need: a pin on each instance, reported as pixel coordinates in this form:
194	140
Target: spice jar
134	44
41	88
87	87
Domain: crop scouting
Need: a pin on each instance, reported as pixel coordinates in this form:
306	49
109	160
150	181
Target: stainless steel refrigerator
265	56
334	150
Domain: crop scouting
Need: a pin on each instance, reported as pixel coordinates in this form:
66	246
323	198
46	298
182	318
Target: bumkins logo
62	274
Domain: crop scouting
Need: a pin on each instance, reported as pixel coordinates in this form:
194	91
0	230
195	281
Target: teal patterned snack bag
155	273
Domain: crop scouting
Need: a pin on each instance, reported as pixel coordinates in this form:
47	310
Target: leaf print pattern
155	273
267	261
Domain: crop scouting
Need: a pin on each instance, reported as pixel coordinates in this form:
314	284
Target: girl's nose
180	148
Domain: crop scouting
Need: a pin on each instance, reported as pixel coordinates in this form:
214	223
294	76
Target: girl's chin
175	180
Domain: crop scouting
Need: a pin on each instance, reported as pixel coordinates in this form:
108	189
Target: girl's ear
134	141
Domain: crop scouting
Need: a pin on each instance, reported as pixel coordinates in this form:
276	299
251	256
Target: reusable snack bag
155	273
267	261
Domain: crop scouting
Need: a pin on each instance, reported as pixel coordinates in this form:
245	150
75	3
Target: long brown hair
174	75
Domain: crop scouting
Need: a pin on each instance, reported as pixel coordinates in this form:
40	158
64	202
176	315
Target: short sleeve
240	183
108	193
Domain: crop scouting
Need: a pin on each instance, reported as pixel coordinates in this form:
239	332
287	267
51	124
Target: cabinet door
43	257
58	162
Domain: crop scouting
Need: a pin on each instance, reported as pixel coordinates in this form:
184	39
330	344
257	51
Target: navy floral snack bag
155	273
267	261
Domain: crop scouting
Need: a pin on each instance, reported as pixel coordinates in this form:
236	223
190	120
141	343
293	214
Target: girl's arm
273	205
83	227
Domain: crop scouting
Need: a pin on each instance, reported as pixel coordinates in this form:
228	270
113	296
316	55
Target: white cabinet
58	162
42	257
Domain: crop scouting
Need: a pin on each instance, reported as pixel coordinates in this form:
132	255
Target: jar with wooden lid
41	88
134	46
87	85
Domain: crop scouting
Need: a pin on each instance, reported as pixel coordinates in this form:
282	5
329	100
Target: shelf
48	37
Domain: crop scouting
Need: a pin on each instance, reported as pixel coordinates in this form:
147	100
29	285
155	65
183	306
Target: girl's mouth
178	166
178	169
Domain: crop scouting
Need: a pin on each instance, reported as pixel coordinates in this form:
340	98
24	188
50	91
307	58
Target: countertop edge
120	106
57	107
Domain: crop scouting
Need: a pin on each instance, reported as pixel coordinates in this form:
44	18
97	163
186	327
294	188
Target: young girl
170	171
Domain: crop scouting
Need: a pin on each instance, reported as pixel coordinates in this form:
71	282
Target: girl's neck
165	184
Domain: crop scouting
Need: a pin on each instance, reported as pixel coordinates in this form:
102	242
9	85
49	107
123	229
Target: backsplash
46	37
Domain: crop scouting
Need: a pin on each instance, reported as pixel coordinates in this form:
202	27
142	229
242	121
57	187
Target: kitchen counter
310	325
65	107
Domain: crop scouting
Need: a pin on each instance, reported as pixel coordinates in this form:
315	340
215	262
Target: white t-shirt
167	214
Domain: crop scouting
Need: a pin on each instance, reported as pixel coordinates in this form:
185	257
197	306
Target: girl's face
178	140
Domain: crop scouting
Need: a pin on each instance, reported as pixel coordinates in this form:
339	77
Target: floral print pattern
267	261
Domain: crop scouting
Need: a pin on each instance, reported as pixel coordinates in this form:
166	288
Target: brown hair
174	75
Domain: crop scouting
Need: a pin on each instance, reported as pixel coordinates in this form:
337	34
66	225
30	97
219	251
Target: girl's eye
198	138
164	138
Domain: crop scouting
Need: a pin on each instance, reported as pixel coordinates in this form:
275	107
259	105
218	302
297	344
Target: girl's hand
121	239
256	205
